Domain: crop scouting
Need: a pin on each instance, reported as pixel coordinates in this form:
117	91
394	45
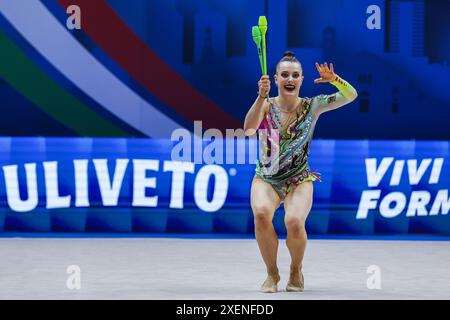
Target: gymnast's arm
345	95
259	108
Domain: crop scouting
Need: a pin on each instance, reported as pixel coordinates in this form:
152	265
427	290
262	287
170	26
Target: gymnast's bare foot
271	284
296	281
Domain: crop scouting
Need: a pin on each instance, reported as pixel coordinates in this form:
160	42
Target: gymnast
290	181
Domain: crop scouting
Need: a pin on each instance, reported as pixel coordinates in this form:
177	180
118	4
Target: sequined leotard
284	156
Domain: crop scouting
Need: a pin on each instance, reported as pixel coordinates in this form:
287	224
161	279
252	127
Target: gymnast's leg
264	202
297	206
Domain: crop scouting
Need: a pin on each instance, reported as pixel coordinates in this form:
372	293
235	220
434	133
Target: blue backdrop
145	65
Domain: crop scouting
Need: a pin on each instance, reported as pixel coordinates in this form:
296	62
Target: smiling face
289	78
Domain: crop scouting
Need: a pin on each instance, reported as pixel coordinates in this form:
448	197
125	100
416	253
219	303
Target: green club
262	24
256	33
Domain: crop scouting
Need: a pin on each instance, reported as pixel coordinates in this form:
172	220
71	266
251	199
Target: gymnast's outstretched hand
326	74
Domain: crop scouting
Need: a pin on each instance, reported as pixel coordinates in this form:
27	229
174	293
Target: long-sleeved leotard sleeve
345	95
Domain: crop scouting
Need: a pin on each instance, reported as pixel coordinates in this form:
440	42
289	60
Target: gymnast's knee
262	216
294	226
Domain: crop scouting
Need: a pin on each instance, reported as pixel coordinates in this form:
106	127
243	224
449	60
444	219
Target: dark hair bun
289	54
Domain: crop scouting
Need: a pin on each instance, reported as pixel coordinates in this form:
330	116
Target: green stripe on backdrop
21	73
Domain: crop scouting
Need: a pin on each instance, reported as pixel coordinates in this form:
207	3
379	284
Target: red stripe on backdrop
124	46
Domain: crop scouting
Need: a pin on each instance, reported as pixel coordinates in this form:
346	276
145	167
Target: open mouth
289	87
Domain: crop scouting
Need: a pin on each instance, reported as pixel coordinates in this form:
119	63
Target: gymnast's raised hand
326	74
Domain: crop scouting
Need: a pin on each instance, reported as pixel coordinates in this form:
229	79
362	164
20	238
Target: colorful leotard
284	155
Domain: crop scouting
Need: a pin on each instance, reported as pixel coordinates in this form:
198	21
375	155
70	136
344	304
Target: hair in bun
289	56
